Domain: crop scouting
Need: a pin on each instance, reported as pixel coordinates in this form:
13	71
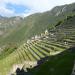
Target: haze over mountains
23	29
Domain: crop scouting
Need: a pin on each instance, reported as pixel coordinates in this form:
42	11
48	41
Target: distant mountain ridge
36	23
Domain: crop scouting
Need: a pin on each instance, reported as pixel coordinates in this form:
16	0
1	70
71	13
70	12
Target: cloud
39	5
6	12
33	5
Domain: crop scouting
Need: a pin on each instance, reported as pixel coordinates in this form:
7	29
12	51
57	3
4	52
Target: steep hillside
8	24
61	50
38	23
62	63
51	52
52	49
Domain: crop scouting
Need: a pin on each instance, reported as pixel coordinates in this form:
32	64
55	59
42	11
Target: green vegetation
24	29
60	64
54	45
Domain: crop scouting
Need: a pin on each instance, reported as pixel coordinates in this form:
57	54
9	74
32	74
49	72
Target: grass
60	64
57	64
33	54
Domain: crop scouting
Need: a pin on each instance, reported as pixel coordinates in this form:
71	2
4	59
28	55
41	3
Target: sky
26	7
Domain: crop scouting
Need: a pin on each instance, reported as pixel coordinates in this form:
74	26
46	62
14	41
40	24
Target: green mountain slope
38	23
57	50
61	64
61	25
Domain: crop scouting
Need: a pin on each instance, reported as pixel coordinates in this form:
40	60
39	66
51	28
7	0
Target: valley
40	44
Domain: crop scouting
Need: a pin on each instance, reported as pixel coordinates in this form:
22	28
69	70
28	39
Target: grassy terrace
34	57
57	44
69	40
35	51
30	52
43	47
55	48
60	64
43	51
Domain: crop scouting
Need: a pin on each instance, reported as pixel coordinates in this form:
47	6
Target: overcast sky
27	7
